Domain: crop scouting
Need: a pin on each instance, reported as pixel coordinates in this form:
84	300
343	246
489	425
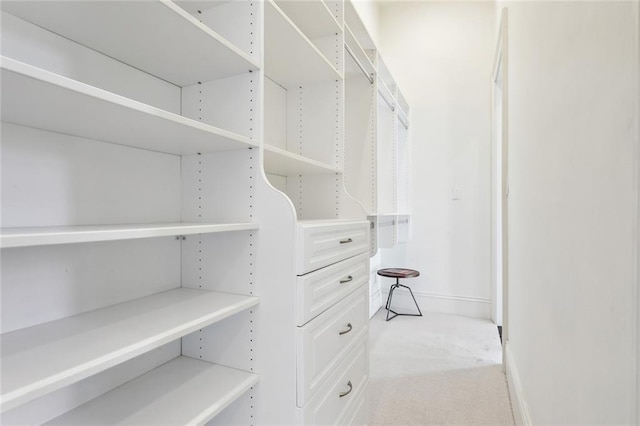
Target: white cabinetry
123	208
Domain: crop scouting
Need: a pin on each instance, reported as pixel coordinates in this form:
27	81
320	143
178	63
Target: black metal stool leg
388	306
414	300
391	290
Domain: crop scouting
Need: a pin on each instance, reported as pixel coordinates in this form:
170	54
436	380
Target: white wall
573	158
441	56
369	12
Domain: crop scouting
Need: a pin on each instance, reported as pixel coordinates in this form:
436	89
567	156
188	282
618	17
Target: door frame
501	69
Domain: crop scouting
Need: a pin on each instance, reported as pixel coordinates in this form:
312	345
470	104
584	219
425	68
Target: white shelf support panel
280	162
40	359
33	97
42	236
291	59
156	36
183	391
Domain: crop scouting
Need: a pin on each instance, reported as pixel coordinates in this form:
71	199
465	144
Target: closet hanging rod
362	68
388	102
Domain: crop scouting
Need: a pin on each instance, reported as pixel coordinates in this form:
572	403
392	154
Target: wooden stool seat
398	273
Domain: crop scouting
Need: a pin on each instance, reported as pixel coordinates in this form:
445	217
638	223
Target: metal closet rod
388	102
362	68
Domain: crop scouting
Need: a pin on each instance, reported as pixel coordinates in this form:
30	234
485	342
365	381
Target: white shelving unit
150	272
113	142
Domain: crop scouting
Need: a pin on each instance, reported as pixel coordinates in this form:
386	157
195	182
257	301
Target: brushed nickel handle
348	240
349	328
347	392
346	280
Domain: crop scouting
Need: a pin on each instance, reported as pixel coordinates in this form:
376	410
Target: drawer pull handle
349	328
347	392
345	241
346	280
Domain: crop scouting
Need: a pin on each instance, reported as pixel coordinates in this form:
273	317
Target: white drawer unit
324	341
334	402
322	243
319	290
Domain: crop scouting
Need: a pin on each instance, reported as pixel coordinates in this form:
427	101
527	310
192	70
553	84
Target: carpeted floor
436	370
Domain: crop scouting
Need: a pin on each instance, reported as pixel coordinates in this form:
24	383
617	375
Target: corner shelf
40	359
281	162
152	398
37	98
41	236
147	34
291	59
312	17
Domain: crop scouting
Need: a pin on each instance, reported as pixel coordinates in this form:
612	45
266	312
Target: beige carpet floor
436	370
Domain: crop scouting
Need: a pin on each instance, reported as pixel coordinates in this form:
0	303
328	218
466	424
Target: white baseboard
374	302
474	307
518	403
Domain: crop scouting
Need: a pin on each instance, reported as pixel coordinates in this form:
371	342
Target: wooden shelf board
313	17
40	359
155	36
40	236
40	99
353	20
291	59
182	391
280	162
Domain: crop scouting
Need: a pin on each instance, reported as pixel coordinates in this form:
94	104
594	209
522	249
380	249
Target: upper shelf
37	98
290	58
153	398
313	17
155	36
280	162
352	19
40	359
41	236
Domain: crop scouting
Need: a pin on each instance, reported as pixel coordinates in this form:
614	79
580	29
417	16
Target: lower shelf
182	391
46	357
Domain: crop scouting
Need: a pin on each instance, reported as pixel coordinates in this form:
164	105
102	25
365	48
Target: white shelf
280	162
155	36
313	17
352	19
290	58
41	236
37	98
40	359
183	391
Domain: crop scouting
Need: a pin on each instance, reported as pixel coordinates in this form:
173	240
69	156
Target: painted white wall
573	160
441	54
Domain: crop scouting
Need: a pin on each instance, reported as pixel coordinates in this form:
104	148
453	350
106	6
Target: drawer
318	291
323	342
322	243
358	414
328	407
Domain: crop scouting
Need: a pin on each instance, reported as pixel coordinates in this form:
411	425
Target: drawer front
319	290
323	244
358	414
323	342
328	407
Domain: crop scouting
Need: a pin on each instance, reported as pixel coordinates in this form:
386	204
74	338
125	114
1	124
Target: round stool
398	273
